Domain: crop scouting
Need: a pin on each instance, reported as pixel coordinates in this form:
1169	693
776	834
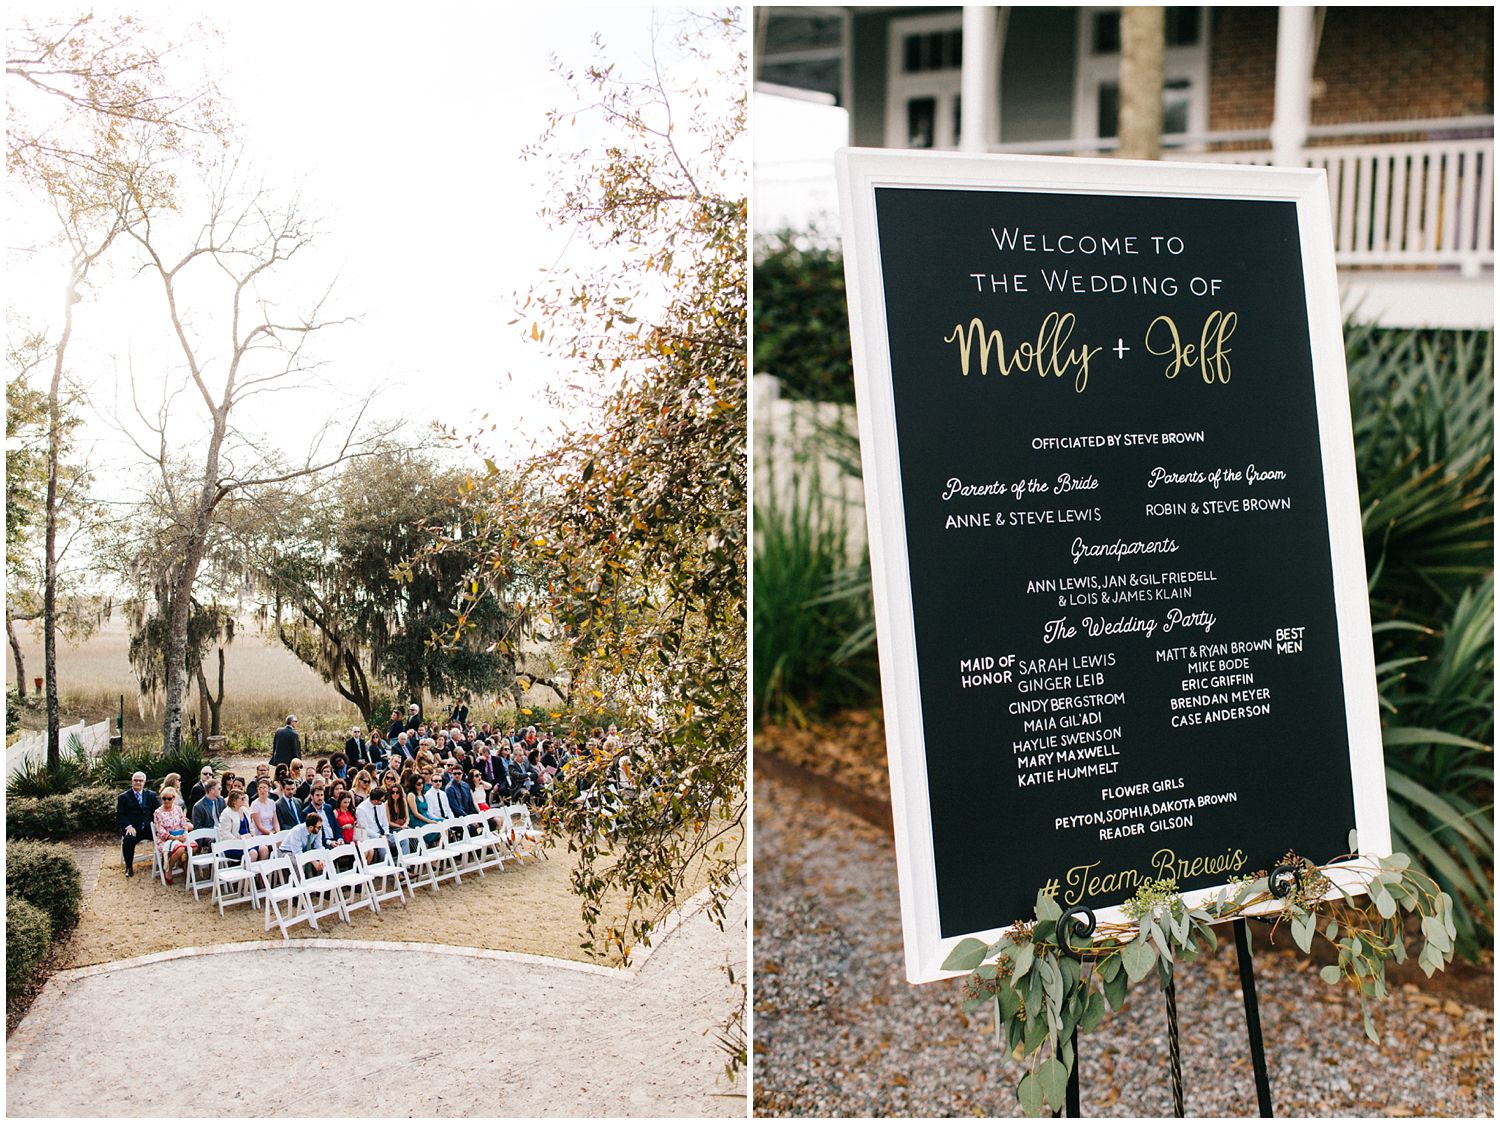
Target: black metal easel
1079	921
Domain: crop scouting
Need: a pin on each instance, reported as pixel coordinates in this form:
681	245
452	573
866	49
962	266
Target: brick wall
1374	64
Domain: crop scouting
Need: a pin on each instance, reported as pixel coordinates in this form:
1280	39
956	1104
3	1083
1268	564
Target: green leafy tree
634	525
353	594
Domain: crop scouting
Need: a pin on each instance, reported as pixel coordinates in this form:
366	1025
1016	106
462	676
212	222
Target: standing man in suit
396	726
287	746
288	808
460	713
356	750
413	718
133	809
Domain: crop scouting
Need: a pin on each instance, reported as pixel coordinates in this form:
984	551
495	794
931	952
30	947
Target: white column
978	87
1293	84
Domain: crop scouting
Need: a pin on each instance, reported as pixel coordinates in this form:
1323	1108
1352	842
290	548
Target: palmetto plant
1423	405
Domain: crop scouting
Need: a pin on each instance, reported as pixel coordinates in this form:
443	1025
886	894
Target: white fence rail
33	747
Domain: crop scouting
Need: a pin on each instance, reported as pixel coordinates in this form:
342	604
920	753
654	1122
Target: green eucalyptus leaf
1330	973
1138	959
1303	928
1020	963
1332	932
1029	1093
1047	908
1115	988
967	955
1054	1078
1036	1029
1109	967
1093	1013
1009	1002
1353	841
1385	905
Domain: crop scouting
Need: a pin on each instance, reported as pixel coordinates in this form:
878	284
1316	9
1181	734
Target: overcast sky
402	128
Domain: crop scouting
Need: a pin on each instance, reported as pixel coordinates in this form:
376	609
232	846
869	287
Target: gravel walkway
839	1032
409	1033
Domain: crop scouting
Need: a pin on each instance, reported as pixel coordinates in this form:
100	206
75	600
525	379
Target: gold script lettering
1049	355
1210	354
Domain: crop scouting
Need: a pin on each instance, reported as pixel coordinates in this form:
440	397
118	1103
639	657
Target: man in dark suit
134	809
287	746
204	775
328	834
356	749
289	811
413	718
208	808
396	726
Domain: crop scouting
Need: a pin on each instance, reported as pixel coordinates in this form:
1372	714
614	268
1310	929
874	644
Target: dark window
1175	100
1183	28
932	50
921	122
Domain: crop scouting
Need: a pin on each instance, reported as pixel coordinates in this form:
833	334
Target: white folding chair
444	856
201	864
263	876
351	882
492	849
413	856
233	880
375	859
323	884
498	820
469	848
282	887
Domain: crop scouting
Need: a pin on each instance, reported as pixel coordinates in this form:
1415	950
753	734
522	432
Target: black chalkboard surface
1110	473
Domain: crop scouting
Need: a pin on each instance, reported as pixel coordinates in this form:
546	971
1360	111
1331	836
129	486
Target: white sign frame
860	172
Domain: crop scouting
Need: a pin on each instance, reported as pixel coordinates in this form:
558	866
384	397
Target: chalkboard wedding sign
1114	530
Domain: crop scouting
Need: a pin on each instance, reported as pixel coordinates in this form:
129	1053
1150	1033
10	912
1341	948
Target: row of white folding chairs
486	839
315	886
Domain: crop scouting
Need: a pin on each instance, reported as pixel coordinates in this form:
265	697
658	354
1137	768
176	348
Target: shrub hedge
40	817
46	875
93	808
27	935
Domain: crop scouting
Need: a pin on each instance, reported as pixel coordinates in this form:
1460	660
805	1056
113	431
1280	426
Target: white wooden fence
33	747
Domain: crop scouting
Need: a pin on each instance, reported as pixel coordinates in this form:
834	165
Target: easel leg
1072	1097
1174	1047
1252	1018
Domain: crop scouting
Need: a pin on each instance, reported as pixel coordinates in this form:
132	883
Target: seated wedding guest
330	835
197	793
372	817
263	809
344	814
234	822
416	806
171	833
173	781
340	765
304	837
360	788
395	803
226	782
335	790
134	809
480	790
289	811
397	726
262	772
460	795
209	807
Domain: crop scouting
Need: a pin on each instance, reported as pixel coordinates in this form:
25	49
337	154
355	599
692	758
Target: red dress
346	824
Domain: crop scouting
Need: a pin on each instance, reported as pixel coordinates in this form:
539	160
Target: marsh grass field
263	683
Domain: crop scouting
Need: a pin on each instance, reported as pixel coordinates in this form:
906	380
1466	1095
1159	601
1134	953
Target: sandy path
450	1034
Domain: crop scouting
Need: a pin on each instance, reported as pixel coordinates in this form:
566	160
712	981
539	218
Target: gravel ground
839	1032
417	1033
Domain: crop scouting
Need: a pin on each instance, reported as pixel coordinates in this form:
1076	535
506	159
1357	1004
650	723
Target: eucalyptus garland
1042	992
